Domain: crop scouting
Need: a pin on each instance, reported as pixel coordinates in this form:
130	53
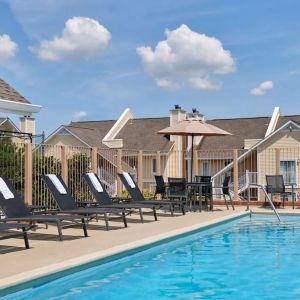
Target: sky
91	59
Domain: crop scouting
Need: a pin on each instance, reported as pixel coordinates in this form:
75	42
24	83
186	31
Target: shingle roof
141	134
241	128
9	93
91	132
137	134
284	119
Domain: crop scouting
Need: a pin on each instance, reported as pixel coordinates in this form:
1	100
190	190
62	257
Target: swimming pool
247	258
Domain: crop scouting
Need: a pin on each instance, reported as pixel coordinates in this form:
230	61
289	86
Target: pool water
247	258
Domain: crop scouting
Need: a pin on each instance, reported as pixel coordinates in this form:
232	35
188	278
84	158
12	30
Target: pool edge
26	279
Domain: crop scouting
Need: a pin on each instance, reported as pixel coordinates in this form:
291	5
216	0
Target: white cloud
167	84
81	39
79	115
8	48
187	58
204	83
262	88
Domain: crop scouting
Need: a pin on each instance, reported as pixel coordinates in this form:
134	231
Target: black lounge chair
137	196
15	209
25	227
104	200
67	204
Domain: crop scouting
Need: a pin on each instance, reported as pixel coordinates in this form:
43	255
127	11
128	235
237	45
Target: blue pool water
243	259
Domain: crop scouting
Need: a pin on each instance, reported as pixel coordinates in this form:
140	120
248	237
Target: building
255	140
13	102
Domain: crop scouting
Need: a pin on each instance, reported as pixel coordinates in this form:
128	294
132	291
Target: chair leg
183	208
106	221
124	218
293	200
84	227
154	214
172	210
59	231
141	215
231	202
225	201
25	236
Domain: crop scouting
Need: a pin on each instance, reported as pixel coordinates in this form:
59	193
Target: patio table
196	188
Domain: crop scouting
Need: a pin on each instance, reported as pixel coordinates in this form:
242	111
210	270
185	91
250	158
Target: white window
205	168
288	169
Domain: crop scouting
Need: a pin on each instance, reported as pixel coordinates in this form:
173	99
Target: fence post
94	160
195	164
235	175
277	161
140	170
158	166
183	158
119	170
28	173
64	164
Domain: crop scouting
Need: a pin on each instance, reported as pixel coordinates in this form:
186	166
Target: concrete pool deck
47	255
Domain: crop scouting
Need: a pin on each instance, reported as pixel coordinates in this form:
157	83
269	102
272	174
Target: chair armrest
86	203
120	199
291	185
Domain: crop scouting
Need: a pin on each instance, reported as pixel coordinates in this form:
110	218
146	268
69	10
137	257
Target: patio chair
225	191
67	204
15	209
104	200
206	189
275	186
160	188
137	196
24	227
177	188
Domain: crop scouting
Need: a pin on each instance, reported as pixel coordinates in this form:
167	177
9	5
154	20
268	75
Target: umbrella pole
192	158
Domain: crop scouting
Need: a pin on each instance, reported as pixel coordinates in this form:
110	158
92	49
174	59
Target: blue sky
225	51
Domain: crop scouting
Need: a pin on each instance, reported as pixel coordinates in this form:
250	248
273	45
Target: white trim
11	122
65	128
274	120
19	108
109	140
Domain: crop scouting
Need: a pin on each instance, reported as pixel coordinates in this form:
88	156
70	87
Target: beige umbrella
193	127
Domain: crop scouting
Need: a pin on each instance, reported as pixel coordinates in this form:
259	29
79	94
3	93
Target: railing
26	163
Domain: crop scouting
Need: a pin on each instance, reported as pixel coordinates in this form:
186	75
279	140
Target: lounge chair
25	227
67	204
137	196
103	199
15	209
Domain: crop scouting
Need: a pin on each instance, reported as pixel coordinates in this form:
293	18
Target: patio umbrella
193	127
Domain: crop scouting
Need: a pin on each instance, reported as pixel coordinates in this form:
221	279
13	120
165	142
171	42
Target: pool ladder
267	196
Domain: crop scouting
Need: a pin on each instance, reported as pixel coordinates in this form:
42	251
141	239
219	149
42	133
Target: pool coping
10	284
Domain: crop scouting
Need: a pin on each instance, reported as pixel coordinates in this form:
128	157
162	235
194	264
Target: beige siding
67	140
288	143
248	143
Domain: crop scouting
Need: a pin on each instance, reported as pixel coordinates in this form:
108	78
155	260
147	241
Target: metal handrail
269	199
